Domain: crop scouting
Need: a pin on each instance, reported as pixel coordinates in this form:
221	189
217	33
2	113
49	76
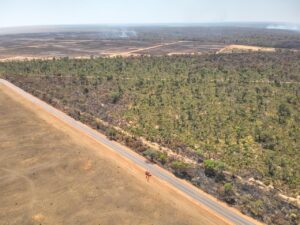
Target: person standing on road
148	175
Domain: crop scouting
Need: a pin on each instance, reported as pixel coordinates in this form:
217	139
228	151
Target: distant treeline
214	34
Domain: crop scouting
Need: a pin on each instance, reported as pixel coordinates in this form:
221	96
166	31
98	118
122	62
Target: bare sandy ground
52	174
244	48
39	52
29	58
135	51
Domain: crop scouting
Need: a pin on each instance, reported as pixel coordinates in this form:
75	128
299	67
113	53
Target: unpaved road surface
82	175
135	51
244	48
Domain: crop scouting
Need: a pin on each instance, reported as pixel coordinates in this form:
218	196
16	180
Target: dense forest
238	113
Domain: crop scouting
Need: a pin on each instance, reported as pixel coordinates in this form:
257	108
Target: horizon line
153	24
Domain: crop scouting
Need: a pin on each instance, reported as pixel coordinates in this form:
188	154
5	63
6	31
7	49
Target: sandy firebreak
245	48
52	174
135	51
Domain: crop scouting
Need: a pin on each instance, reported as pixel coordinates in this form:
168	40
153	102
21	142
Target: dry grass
52	174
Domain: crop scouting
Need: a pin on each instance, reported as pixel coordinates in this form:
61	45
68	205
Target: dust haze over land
291	27
82	41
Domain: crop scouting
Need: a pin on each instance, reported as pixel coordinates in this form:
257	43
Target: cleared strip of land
52	174
135	51
245	48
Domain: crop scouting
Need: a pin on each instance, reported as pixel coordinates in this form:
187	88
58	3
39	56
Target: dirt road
133	52
244	48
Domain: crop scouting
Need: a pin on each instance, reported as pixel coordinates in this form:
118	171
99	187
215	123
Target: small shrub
162	157
199	152
150	154
228	188
111	133
177	164
115	96
109	77
213	167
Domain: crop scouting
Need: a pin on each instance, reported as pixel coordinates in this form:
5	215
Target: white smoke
284	27
128	34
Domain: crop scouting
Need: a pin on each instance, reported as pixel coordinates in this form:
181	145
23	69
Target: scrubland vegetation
237	116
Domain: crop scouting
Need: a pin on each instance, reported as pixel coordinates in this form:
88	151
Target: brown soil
52	174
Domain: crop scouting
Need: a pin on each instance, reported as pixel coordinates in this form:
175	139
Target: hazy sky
47	12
